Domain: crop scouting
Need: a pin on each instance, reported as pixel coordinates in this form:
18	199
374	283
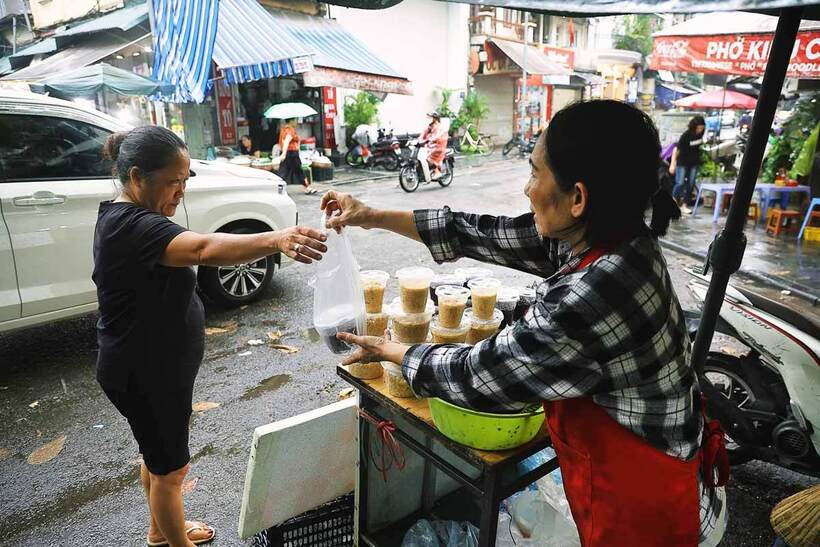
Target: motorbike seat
799	321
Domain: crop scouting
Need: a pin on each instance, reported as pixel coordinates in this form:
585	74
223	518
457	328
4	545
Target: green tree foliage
785	149
473	109
361	109
634	33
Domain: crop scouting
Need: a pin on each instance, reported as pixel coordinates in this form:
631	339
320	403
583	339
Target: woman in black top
150	330
246	147
685	161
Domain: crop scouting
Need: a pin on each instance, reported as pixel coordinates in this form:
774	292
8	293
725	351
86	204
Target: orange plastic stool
777	218
754	212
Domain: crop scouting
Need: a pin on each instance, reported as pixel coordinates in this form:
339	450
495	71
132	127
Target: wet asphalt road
90	493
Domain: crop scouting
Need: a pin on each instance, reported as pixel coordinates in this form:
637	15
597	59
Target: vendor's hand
672	169
373	348
345	210
301	243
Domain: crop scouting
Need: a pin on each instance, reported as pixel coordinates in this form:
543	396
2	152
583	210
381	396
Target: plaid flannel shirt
614	331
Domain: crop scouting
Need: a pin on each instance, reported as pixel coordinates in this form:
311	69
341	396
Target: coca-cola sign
744	55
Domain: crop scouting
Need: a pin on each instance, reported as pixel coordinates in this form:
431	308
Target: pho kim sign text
745	54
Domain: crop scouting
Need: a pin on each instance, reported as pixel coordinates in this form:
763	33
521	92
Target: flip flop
196	526
311	191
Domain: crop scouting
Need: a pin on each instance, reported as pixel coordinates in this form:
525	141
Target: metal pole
13	34
726	251
523	105
716	155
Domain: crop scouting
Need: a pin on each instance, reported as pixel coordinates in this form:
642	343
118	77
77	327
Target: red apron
621	490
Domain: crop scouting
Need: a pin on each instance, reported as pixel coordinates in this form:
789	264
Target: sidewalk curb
796	289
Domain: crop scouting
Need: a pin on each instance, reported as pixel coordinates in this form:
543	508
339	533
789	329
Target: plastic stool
810	215
776	218
754	212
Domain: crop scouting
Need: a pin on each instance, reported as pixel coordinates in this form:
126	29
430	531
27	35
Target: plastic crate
329	525
812	233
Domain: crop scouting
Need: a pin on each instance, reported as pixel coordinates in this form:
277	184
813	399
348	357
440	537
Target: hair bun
111	148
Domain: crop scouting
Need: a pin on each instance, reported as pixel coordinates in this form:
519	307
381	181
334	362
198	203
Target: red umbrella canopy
717	99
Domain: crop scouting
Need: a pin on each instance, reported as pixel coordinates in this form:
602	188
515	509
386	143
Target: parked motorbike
767	399
525	146
384	152
416	170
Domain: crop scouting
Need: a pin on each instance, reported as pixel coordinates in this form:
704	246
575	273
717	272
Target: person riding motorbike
434	138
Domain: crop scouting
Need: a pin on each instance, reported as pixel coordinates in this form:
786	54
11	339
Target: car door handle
38	198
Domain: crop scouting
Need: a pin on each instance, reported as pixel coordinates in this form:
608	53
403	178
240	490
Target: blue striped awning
183	32
253	45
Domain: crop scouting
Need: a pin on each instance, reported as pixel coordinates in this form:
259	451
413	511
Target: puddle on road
207	450
268	384
311	334
66	503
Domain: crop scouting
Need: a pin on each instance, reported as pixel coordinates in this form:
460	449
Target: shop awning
734	43
184	32
251	44
537	62
90	79
76	56
122	19
24	55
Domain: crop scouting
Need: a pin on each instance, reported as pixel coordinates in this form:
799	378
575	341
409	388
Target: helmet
435	115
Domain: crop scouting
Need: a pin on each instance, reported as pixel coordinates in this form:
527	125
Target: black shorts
159	422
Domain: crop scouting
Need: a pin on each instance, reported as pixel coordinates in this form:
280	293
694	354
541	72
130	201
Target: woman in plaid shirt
605	346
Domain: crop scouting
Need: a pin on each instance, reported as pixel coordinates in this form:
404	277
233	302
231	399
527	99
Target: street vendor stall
395	435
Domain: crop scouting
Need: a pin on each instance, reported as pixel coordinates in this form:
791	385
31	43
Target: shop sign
225	112
302	64
744	55
563	56
329	77
330	113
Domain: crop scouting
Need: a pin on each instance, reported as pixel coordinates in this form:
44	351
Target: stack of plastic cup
397	386
414	287
373	284
472	273
441	280
526	298
484	291
506	301
447	335
451	304
410	328
482	328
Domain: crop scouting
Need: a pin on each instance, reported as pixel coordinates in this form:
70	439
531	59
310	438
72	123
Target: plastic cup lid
391	367
498	317
472	273
508	294
395	309
415	272
484	283
451	290
461	329
447	279
374	275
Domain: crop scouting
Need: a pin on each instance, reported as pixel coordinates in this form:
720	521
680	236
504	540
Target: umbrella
718	99
289	110
89	79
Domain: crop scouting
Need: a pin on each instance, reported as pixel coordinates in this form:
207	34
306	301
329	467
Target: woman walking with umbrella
290	164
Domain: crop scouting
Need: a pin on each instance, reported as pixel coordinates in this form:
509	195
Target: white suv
52	180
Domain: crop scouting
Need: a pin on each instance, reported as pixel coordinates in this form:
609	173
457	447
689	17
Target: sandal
192	527
310	191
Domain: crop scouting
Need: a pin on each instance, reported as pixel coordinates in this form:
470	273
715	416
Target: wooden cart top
418	412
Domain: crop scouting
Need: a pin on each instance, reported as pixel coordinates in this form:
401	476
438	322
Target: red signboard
744	54
329	116
562	56
225	112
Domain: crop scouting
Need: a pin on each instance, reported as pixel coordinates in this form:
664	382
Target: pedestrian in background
685	162
290	164
151	327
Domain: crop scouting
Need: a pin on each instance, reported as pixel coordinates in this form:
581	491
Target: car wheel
237	285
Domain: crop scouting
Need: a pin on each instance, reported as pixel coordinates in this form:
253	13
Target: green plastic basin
483	430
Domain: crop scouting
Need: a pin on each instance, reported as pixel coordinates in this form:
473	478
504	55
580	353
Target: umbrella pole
726	251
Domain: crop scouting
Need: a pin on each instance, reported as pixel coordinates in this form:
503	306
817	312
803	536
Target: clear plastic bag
338	302
441	533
